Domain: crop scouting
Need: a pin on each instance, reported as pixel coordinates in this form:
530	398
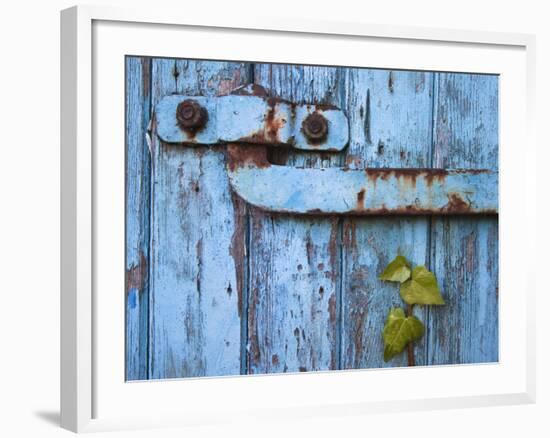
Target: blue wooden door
218	287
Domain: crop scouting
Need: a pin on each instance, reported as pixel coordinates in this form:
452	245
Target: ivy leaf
397	270
399	330
422	288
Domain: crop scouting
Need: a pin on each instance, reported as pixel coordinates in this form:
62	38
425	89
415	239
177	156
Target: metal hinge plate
248	116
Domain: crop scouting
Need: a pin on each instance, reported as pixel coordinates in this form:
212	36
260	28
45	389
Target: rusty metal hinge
250	122
249	116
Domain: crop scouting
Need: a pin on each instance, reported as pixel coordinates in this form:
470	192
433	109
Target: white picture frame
93	389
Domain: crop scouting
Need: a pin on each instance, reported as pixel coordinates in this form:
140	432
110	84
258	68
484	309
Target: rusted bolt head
191	115
315	128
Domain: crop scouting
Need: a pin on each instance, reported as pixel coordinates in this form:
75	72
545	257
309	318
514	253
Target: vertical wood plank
295	261
390	116
465	249
196	246
138	112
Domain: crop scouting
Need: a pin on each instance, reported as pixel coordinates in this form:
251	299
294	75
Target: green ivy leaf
399	330
422	288
397	270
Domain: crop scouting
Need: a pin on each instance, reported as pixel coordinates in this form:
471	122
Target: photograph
288	218
295	219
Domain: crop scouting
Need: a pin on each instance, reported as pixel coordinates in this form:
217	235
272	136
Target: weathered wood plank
465	250
390	117
137	215
196	243
295	261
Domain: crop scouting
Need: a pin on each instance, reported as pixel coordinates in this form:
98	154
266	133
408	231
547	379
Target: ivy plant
416	286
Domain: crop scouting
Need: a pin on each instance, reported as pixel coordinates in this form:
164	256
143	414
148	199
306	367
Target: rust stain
272	123
246	156
437	175
315	211
279	155
258	137
274	360
409	176
456	204
350	239
332	309
361	199
136	275
333	248
237	248
254	352
269	134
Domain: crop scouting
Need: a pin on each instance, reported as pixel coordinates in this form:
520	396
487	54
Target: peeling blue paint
132	298
305	293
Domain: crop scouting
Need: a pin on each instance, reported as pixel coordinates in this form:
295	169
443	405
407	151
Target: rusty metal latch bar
249	116
341	191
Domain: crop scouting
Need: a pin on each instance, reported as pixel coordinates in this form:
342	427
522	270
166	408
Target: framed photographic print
328	225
